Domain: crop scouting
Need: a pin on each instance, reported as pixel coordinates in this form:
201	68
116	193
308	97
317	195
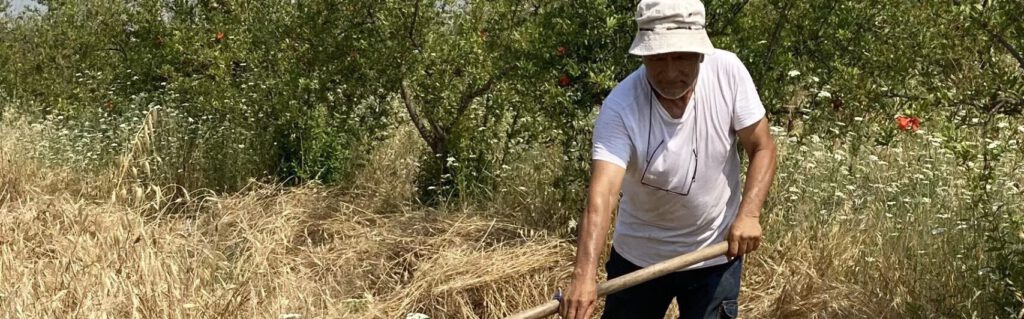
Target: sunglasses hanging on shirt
667	182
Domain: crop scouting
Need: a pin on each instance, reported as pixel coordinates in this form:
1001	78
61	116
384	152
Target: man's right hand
580	299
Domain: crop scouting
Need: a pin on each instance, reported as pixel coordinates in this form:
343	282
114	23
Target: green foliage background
304	90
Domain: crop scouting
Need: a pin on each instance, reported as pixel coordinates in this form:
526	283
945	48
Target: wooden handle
633	278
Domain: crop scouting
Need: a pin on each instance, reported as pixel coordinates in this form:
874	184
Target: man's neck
675	107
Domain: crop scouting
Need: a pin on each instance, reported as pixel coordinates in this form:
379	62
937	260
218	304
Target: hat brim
665	41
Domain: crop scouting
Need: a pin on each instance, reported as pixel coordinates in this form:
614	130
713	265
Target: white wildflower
824	95
416	315
793	73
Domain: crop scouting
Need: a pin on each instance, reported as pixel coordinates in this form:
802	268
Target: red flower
483	34
908	123
564	81
561	51
108	105
220	36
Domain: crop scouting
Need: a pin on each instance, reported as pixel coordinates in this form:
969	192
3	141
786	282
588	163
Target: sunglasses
691	169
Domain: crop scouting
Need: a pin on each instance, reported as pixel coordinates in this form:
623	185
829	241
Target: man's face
673	73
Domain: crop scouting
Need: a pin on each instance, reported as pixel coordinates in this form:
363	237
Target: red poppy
219	36
908	123
561	51
564	81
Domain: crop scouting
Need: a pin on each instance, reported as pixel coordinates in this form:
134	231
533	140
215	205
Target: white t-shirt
682	186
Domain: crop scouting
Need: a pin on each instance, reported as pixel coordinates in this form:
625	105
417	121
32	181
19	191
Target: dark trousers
704	293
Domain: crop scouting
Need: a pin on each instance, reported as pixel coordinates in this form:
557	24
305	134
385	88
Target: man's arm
745	233
605	184
603	196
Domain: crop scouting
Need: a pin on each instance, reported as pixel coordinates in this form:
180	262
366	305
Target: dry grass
261	254
68	250
265	252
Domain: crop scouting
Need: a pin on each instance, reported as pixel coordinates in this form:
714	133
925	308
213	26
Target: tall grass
892	231
902	230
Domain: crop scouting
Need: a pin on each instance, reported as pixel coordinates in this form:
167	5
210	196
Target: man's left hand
744	236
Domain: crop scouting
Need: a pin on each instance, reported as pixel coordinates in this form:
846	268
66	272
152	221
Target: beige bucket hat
670	26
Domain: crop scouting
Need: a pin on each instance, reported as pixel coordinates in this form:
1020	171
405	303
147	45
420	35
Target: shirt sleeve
747	108
611	141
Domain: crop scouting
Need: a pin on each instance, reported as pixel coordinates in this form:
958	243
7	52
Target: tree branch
470	95
733	16
1006	45
425	133
1001	41
783	15
412	26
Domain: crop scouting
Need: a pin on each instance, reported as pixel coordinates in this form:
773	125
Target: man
666	138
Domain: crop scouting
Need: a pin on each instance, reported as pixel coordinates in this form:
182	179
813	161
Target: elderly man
666	138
